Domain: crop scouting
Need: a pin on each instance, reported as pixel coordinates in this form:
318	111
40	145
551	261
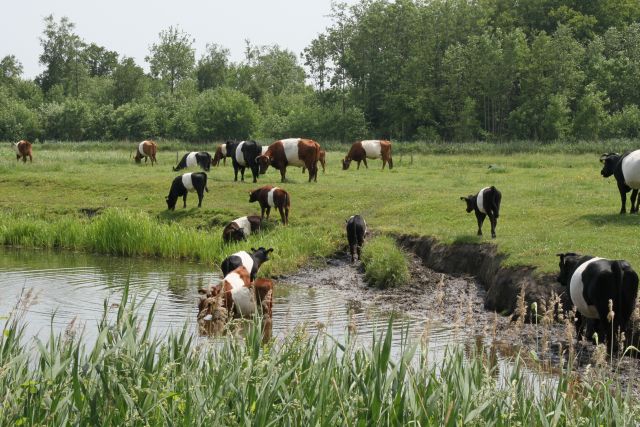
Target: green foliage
17	121
224	113
134	121
172	58
384	263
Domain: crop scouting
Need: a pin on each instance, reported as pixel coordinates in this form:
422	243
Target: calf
183	184
592	283
250	261
23	149
146	149
240	228
485	203
189	160
626	169
369	149
268	197
356	230
244	156
294	152
220	154
321	159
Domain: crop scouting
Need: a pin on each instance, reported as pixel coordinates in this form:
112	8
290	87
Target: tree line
453	70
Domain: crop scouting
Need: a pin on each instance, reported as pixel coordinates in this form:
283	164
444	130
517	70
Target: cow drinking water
244	155
369	149
356	230
146	149
291	152
269	197
626	169
485	203
240	228
185	183
194	158
251	261
23	149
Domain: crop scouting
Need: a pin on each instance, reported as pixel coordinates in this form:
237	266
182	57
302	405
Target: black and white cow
194	158
250	261
244	155
183	184
240	228
626	169
592	282
356	230
485	203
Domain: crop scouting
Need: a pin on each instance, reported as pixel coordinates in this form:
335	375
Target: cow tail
496	201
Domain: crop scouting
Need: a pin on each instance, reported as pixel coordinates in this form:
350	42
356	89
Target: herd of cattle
603	291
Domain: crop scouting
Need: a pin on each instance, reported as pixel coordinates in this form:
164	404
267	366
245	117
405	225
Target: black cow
244	155
592	282
199	158
485	203
183	184
251	262
626	169
356	230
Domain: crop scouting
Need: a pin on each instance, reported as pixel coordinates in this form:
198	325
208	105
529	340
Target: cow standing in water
291	152
626	169
485	203
23	149
240	228
146	149
251	261
189	160
244	156
356	230
185	183
269	197
369	149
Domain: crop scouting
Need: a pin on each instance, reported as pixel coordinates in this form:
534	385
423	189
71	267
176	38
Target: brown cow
220	154
293	151
321	159
372	149
268	197
23	149
146	149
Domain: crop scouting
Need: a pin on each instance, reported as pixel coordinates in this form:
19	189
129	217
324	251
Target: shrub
385	264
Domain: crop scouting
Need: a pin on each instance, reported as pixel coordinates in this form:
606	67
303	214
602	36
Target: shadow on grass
467	238
612	219
177	215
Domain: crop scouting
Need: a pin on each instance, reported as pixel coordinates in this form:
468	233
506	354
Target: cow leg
282	217
384	163
262	213
286	216
200	196
359	164
480	217
352	250
184	201
494	222
283	173
268	212
242	174
31	161
623	197
315	172
235	172
634	196
365	163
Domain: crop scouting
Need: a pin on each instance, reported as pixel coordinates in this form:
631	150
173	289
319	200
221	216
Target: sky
130	27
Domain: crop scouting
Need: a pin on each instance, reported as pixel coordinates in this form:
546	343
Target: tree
128	82
10	69
173	58
100	61
212	67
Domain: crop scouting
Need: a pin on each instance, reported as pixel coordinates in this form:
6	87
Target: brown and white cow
146	149
220	154
23	149
269	197
321	159
369	149
292	151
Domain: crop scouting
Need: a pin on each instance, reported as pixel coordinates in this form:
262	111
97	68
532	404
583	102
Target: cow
592	283
321	158
183	184
293	151
269	197
369	149
221	154
244	155
23	149
240	228
356	230
146	149
485	203
626	169
199	158
250	261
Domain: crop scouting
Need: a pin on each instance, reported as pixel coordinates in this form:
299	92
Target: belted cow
146	149
369	149
626	169
244	155
185	183
321	158
250	261
220	154
194	158
269	197
356	230
240	228
23	149
485	203
592	282
294	152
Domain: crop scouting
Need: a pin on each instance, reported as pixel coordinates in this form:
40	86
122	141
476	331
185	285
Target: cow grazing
356	230
250	261
222	153
146	149
321	158
626	169
485	203
369	149
592	282
194	158
244	155
269	197
291	152
23	149
240	228
183	184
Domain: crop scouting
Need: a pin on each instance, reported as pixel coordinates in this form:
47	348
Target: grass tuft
384	263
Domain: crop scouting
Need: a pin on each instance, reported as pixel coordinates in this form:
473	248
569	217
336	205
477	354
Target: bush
17	121
224	113
134	121
385	264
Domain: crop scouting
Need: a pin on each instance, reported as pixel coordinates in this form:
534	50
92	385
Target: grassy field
553	201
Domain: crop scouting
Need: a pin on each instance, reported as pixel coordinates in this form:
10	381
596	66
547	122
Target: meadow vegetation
385	264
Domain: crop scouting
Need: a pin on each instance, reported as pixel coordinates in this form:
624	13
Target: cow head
471	202
264	162
171	202
609	162
233	235
253	195
261	254
568	263
346	162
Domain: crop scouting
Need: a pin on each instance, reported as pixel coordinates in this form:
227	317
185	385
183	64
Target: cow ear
269	250
253	249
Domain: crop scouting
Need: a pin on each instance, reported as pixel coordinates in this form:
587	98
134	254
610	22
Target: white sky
130	27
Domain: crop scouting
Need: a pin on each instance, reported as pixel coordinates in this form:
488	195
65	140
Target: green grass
554	201
128	376
385	264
